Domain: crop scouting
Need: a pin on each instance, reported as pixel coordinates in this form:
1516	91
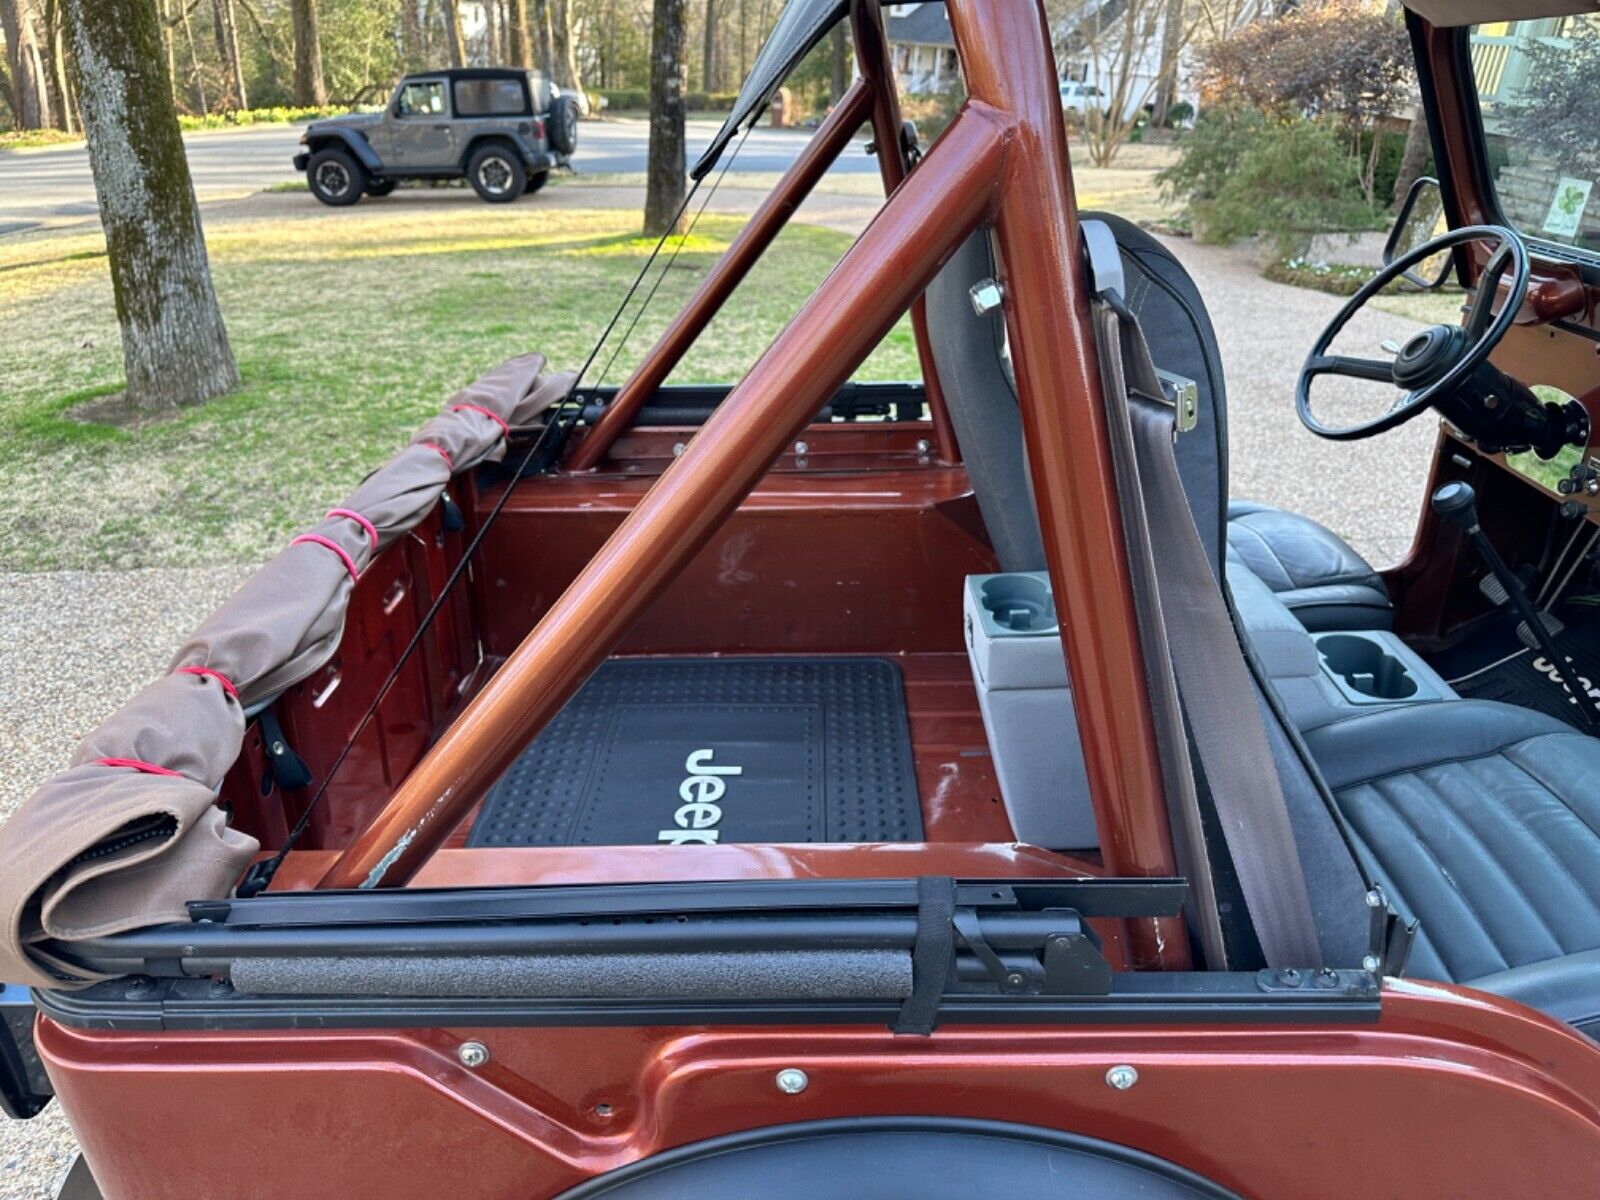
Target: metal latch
1184	396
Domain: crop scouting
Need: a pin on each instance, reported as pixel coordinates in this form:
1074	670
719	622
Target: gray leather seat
1324	582
1481	821
1478	819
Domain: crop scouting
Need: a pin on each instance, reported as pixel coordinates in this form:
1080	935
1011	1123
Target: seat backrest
983	403
968	352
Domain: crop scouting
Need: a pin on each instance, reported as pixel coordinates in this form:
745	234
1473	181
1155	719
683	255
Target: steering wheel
1434	363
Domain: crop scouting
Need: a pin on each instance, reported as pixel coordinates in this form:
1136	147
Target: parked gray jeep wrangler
503	129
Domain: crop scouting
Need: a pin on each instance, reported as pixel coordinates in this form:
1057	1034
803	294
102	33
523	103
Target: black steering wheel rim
1509	246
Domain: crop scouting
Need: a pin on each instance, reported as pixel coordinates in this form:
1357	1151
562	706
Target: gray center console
1014	645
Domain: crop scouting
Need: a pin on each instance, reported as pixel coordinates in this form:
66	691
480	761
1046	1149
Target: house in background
923	47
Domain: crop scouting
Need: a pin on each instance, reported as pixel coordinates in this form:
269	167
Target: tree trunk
410	35
169	44
227	31
839	48
519	47
1172	39
491	34
1414	158
544	38
564	46
174	346
708	57
454	43
194	62
309	90
55	45
29	83
666	184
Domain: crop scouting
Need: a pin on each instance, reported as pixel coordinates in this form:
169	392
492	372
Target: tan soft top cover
1473	12
106	847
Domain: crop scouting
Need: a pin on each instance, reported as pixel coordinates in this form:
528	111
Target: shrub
1244	175
1210	152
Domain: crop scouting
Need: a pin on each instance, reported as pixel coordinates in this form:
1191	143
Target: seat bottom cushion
1481	821
1313	571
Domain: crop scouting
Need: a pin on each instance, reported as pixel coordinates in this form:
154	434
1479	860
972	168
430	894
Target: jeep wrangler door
423	138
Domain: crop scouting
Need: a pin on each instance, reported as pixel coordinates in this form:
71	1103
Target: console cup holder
1019	603
1365	667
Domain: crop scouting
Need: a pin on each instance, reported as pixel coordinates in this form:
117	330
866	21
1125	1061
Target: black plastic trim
24	1087
1007	1136
1136	999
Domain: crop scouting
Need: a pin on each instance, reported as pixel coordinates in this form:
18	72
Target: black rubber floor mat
1525	678
713	751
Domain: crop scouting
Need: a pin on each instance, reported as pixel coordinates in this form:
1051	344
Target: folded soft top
130	832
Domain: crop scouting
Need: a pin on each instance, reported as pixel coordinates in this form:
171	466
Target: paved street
54	186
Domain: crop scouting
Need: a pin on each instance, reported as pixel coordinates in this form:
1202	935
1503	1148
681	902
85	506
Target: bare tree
309	89
55	38
666	182
519	45
454	42
708	57
30	89
1117	40
225	23
544	37
564	46
839	62
174	345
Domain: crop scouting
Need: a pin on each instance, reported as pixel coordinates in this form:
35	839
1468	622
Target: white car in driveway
1081	98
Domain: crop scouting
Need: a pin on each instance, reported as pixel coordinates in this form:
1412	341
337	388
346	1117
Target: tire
561	126
382	187
536	181
335	177
496	173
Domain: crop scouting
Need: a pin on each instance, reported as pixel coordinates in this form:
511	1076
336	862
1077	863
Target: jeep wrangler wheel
561	126
496	174
382	187
335	178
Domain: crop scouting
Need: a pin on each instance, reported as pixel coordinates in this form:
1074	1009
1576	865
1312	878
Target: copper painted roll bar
821	152
855	306
877	70
1003	159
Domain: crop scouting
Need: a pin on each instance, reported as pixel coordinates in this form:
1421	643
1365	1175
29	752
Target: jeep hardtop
502	129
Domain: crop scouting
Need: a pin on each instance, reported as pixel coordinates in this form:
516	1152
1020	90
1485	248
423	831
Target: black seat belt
1218	695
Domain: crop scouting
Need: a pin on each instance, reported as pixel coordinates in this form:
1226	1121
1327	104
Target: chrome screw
678	449
472	1054
1122	1077
1370	963
792	1081
801	448
923	446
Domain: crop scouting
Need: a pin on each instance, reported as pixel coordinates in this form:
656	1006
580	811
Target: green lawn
349	328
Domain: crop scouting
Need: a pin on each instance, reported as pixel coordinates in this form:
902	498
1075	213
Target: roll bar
1003	162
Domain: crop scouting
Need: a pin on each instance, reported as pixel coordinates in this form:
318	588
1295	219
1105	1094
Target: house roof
919	25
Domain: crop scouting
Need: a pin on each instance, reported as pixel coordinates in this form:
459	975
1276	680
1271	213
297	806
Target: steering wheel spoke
1372	369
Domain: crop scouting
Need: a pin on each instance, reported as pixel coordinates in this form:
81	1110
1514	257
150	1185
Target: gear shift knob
1457	503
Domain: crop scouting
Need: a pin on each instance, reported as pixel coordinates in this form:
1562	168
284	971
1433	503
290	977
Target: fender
351	141
533	150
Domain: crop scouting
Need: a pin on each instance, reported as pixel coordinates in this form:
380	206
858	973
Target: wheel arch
345	139
480	140
933	1158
